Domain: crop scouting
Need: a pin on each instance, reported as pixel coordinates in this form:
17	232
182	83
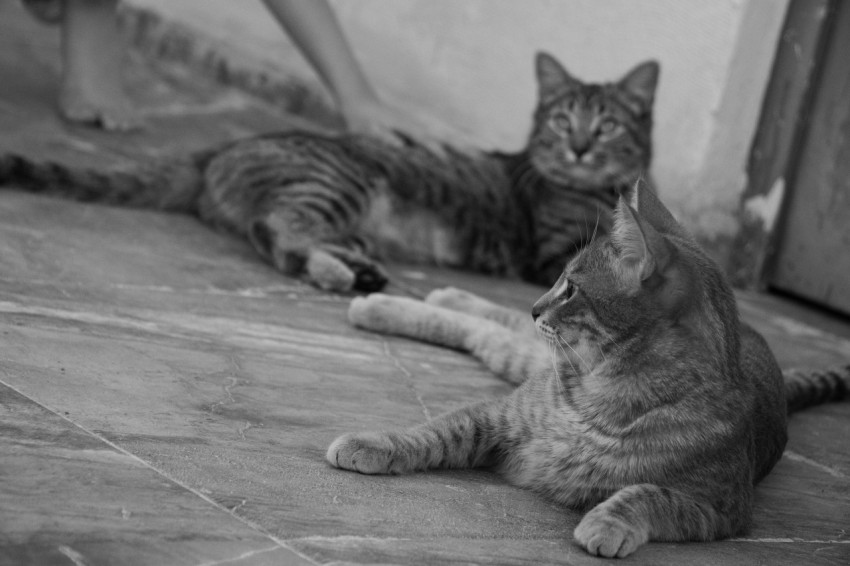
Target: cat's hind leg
301	204
341	268
464	438
463	301
301	242
510	355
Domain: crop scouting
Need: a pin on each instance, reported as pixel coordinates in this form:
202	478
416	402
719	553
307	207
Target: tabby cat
654	407
329	208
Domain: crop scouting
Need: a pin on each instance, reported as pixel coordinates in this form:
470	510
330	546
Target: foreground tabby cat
655	407
327	207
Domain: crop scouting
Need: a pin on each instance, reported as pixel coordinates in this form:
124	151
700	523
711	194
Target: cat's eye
568	290
571	290
608	127
561	122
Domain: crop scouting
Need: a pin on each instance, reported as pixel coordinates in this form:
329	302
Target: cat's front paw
367	453
603	534
381	313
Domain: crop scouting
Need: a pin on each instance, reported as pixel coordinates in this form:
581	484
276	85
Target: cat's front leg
459	300
413	319
638	513
511	355
462	439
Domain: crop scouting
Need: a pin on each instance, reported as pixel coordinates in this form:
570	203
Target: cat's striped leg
640	513
465	438
459	300
299	241
510	355
413	318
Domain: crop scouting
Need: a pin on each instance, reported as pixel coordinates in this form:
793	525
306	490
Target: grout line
349	538
72	555
822	467
242	556
409	379
788	540
281	543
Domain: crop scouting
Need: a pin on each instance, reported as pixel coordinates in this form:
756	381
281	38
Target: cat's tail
172	183
805	389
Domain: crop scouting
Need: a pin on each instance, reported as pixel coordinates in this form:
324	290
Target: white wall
468	63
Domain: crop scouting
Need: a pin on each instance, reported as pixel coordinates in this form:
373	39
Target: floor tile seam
281	543
788	540
796	457
409	380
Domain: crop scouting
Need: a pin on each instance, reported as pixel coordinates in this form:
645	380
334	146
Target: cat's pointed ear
552	77
640	83
645	201
642	249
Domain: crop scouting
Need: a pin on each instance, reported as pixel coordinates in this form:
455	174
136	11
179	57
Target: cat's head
588	135
639	284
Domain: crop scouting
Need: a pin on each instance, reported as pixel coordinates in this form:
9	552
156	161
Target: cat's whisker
602	353
585	233
596	227
521	170
610	338
583	361
555	367
569	361
526	177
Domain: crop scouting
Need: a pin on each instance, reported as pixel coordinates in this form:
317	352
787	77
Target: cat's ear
640	83
645	201
552	77
643	251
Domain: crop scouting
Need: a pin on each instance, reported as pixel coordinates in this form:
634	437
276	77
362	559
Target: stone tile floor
166	398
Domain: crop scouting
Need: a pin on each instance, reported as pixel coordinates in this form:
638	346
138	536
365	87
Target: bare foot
111	111
93	57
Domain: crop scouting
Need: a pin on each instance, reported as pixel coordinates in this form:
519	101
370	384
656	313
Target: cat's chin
581	178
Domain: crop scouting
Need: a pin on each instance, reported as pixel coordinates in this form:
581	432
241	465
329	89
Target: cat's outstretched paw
603	534
106	110
367	453
382	313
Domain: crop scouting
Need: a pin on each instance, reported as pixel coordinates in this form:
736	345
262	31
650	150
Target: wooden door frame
773	161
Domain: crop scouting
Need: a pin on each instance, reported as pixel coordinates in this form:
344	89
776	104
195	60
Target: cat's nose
540	306
579	146
535	311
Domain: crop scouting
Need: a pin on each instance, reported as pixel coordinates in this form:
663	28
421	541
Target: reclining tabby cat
330	208
654	407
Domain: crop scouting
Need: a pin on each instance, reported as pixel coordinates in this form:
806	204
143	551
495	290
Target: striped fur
805	389
331	208
648	403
